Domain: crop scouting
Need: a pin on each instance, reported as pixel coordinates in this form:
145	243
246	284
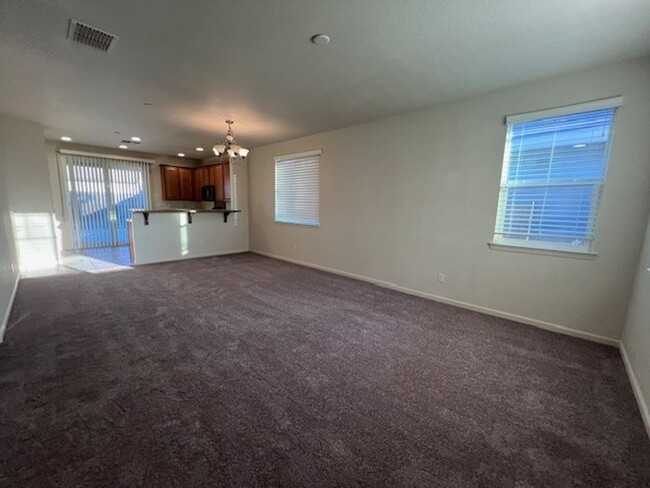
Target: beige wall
14	160
25	166
157	201
8	256
27	192
636	334
407	197
25	199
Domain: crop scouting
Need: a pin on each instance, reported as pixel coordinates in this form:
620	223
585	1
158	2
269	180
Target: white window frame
280	159
500	242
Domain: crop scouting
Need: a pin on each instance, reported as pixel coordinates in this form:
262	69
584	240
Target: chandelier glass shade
229	150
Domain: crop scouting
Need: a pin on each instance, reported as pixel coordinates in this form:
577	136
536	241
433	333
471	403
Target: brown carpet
243	371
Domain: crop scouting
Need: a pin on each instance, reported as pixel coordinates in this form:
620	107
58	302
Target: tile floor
98	260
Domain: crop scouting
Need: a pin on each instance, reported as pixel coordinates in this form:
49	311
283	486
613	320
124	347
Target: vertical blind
101	193
297	181
553	174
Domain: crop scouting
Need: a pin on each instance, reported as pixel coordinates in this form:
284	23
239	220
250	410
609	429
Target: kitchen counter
170	234
188	211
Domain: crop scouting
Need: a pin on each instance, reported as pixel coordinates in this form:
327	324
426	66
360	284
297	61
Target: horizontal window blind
553	174
297	182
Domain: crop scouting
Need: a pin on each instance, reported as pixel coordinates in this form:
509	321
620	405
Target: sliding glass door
101	193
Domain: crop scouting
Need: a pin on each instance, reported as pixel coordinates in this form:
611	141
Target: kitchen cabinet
185	177
216	173
170	180
177	182
200	180
184	183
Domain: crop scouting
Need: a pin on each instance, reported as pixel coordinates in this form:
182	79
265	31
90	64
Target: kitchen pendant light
230	150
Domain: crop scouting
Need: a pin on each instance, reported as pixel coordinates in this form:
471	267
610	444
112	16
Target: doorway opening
101	193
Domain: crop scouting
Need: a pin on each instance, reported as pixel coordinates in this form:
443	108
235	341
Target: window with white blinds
297	182
553	175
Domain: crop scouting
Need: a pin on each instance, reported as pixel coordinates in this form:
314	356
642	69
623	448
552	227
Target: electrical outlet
295	248
441	277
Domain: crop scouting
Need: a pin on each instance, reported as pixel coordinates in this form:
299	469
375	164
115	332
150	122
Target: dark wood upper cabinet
217	175
183	183
217	181
186	183
200	180
171	188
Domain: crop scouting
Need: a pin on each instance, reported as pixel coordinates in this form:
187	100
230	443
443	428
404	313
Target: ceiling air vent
91	36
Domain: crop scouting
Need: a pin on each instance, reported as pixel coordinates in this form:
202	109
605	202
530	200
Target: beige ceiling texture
202	61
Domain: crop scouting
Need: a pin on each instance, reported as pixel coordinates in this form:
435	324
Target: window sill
495	246
296	223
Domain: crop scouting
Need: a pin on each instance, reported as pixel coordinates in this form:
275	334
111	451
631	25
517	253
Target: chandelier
230	149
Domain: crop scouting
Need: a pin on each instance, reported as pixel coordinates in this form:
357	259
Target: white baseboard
640	399
5	320
449	301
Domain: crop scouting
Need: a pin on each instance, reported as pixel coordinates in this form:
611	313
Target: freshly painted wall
60	205
636	334
28	194
408	197
8	255
25	203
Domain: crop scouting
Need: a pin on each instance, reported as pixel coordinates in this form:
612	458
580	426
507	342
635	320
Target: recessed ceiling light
199	149
579	145
181	155
66	139
320	39
135	139
123	146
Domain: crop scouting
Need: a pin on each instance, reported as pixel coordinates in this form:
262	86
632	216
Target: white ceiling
201	61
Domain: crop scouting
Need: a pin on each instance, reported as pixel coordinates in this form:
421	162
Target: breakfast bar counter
159	235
